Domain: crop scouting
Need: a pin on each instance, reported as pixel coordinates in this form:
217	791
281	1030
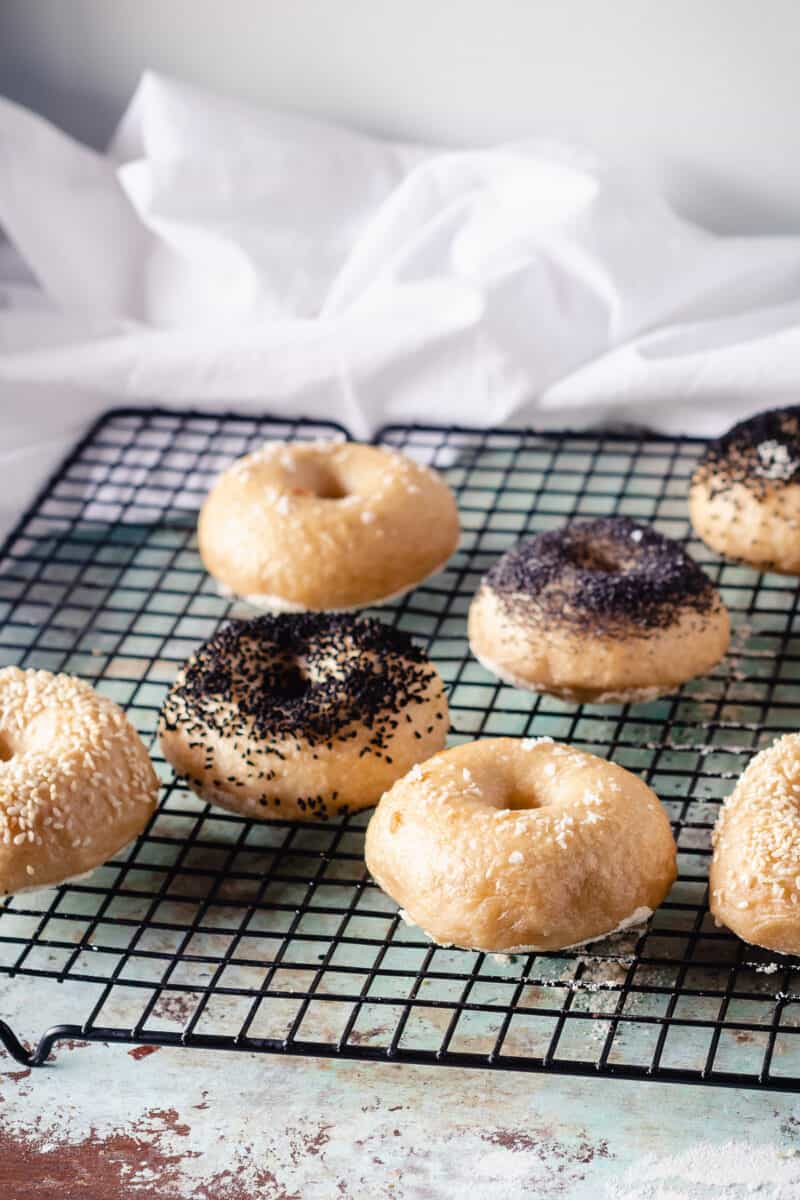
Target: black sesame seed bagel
598	611
302	716
745	495
326	526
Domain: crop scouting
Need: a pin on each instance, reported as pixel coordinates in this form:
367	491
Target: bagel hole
519	799
309	478
294	680
6	752
593	557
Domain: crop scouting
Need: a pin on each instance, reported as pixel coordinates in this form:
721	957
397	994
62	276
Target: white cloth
226	255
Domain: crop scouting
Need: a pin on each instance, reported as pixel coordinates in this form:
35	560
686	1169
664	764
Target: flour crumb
532	743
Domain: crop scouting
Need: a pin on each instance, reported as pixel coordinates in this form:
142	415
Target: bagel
76	782
598	611
302	716
754	881
744	499
509	845
326	526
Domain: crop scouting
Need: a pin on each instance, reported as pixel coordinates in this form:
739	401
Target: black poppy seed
313	679
605	575
355	670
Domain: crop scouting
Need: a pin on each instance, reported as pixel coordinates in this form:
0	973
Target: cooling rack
216	931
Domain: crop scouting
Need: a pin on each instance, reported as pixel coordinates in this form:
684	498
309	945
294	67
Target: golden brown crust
584	667
326	526
508	844
760	528
754	880
76	782
597	611
744	499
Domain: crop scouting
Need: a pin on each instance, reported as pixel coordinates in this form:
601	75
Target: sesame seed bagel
326	526
511	845
598	611
754	882
744	500
76	782
302	716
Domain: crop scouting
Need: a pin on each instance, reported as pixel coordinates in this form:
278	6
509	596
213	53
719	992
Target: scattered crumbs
701	748
515	857
734	1168
575	985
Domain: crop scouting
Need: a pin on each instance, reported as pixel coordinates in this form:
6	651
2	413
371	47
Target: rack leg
39	1055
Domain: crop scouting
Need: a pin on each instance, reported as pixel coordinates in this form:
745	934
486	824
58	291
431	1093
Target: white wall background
701	94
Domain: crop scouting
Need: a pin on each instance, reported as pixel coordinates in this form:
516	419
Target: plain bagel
326	526
511	845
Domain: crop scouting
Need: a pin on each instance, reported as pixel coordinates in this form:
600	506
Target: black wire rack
216	931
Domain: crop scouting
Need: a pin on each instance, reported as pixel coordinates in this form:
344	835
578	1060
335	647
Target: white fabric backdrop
222	254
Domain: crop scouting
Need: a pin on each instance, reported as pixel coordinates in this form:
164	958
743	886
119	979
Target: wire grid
218	931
